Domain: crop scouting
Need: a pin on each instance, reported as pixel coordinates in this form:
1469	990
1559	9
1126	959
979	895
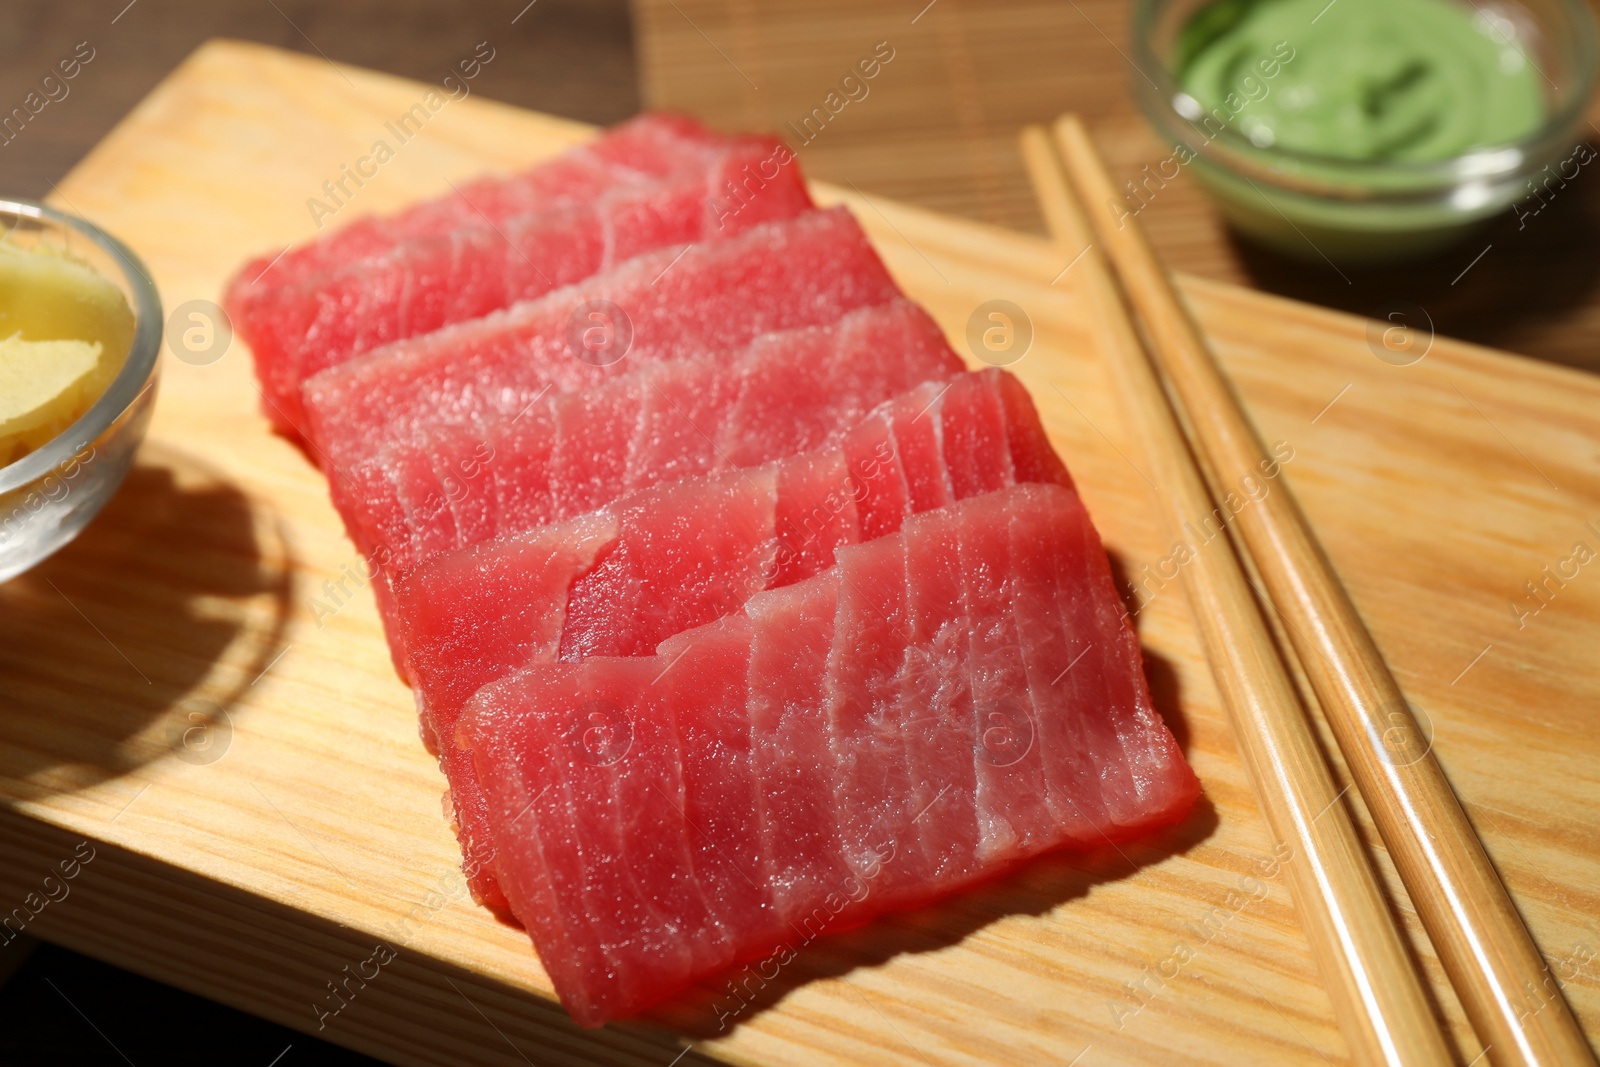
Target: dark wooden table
569	57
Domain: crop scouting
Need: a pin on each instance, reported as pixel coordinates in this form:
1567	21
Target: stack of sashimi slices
734	606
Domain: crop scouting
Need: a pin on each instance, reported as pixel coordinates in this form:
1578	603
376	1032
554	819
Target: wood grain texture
938	128
1486	950
256	878
1377	994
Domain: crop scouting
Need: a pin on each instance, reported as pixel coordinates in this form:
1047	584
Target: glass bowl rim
137	370
1540	143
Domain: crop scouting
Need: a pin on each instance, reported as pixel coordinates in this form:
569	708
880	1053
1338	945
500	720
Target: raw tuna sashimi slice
572	452
696	759
660	561
427	283
631	153
796	809
704	300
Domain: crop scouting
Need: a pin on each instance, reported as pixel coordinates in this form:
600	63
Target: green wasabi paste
1363	80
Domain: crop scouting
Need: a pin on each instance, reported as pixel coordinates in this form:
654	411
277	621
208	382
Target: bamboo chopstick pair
1199	434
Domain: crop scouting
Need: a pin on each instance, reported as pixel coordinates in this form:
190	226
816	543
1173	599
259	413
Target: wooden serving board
198	688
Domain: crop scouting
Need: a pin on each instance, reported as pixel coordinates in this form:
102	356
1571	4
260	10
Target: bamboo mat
938	126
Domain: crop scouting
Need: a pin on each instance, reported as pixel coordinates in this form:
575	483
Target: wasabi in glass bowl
1366	130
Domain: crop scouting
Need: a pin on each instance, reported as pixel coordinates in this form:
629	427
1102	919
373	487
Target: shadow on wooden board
141	624
237	948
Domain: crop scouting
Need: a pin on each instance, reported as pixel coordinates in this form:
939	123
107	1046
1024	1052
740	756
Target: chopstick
1512	1000
1377	996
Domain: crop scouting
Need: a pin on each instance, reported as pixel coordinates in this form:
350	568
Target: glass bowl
1318	207
51	494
